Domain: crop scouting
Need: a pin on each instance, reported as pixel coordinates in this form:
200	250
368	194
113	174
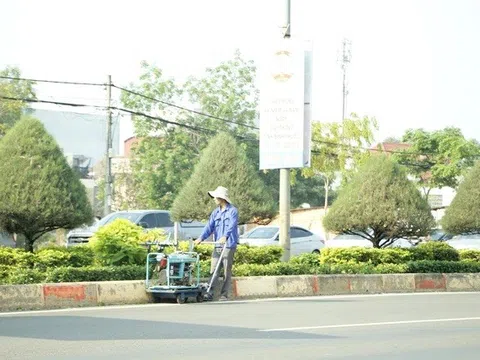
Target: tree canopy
463	214
223	163
11	111
338	148
437	159
165	157
39	191
225	99
380	204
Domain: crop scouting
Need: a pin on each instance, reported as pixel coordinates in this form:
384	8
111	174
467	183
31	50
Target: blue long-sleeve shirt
223	223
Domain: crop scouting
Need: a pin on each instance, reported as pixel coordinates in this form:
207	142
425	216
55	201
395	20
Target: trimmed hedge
78	256
57	264
470	255
365	256
426	266
432	251
243	255
14	275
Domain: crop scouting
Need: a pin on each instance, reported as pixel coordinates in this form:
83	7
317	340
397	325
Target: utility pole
346	57
108	155
284	213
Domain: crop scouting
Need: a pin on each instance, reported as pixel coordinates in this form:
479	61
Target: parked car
439	235
148	219
301	240
350	240
465	242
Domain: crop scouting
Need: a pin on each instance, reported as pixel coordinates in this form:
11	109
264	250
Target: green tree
380	204
165	158
39	192
161	165
338	147
11	111
308	190
437	159
223	163
226	91
463	214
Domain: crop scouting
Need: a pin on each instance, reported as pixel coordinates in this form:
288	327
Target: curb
84	294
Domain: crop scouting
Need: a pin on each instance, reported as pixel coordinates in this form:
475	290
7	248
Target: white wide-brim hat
220	192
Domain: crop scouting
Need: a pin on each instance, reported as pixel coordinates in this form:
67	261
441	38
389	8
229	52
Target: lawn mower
175	275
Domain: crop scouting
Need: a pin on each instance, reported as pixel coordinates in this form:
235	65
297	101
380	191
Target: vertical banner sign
284	128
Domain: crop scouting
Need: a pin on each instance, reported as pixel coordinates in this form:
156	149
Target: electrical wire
161	119
183	108
249	126
52	81
195	127
191	127
172	105
52	102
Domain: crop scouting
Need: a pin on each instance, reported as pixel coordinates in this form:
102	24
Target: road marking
252	301
371	324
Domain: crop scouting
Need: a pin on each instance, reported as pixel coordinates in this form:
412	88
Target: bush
430	266
258	255
16	257
433	250
350	269
391	268
5	270
469	255
359	255
107	273
8	256
273	269
51	258
24	276
81	256
312	260
119	243
243	255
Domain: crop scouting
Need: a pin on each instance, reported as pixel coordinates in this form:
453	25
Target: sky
414	63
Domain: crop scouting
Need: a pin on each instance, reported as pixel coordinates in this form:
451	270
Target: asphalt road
421	326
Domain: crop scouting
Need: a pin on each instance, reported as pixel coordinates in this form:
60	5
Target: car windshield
192	224
133	217
262	233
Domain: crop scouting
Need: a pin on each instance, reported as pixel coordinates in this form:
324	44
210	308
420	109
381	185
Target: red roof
390	147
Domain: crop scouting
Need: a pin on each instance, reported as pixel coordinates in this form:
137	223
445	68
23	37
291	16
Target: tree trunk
29	243
326	185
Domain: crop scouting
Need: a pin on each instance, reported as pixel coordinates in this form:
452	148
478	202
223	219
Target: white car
349	240
465	242
302	241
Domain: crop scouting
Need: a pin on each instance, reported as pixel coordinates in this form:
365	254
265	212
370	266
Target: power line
51	102
184	108
191	127
133	93
52	81
196	127
161	119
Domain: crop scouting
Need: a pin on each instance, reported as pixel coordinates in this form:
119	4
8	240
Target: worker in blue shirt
223	224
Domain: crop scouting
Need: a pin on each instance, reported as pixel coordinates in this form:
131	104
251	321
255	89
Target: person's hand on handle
198	241
222	240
